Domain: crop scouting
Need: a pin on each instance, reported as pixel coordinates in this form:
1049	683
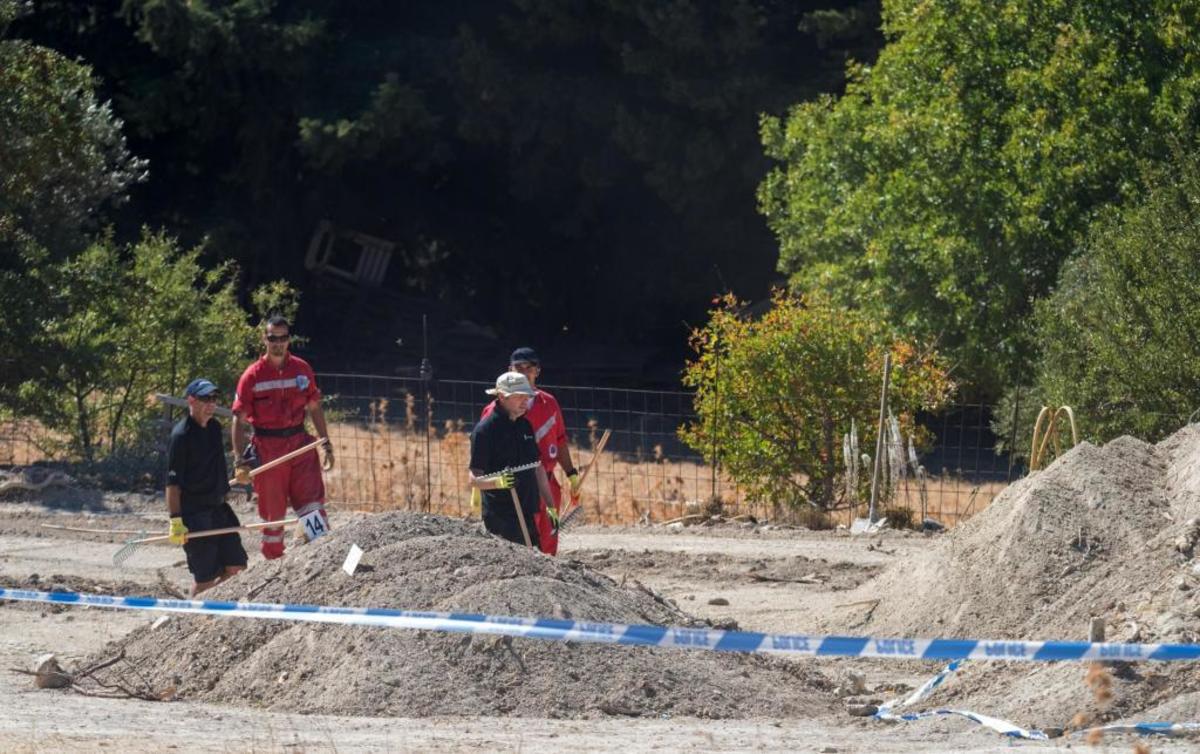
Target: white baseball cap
511	383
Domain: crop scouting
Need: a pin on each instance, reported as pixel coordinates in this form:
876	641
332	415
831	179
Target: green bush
1120	336
775	395
119	324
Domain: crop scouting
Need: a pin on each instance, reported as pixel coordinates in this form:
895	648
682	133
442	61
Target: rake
516	500
573	507
129	548
282	459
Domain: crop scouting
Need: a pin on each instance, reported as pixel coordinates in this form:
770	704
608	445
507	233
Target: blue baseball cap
525	355
200	388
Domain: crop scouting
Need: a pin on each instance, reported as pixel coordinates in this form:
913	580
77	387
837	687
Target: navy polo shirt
196	464
497	443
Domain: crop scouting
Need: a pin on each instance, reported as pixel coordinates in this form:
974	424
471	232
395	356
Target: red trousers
296	484
547	537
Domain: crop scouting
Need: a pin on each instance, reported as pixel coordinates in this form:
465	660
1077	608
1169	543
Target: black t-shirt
196	464
498	443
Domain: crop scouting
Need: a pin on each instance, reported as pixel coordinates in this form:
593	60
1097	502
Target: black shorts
208	557
507	527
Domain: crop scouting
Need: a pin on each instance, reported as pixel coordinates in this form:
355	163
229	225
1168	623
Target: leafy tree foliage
947	185
63	160
1120	336
118	324
775	395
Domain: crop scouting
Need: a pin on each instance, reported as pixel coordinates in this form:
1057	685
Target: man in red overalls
273	395
550	431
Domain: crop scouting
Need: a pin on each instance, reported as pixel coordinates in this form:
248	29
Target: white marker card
352	559
314	525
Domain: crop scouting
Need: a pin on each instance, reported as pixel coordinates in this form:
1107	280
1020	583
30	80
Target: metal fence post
887	375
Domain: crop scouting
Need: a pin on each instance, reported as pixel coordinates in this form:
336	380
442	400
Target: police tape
638	635
886	712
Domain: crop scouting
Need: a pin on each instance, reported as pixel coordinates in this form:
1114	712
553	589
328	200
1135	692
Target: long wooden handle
215	532
520	517
595	454
282	459
583	475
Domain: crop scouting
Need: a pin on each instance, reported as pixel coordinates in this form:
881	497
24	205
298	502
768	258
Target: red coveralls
550	431
273	401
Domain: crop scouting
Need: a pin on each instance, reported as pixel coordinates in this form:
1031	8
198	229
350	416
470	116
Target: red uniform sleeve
312	394
560	424
243	400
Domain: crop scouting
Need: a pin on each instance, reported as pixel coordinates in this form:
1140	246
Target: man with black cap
505	460
550	432
197	480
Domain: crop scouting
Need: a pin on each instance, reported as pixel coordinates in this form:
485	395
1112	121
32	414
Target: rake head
574	516
128	549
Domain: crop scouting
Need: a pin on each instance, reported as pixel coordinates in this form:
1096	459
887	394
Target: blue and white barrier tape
1147	729
885	712
638	635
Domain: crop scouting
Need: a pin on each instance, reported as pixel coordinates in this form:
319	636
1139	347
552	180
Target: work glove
576	484
178	532
476	501
506	480
241	473
552	514
327	459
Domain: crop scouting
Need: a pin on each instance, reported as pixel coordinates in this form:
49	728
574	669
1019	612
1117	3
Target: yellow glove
241	473
327	461
506	480
178	532
476	501
575	483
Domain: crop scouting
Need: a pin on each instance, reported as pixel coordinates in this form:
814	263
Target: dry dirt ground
771	580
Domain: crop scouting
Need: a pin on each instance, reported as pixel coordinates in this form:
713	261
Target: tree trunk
829	461
85	434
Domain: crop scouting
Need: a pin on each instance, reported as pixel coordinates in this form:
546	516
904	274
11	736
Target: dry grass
384	466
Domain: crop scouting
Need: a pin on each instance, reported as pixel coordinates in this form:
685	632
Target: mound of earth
425	562
1104	531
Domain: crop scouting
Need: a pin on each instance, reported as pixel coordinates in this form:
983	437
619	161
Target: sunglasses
278	338
206	398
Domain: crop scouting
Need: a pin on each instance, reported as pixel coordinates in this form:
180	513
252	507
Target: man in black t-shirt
197	480
502	441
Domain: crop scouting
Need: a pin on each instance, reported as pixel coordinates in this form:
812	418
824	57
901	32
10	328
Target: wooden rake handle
215	532
283	459
583	475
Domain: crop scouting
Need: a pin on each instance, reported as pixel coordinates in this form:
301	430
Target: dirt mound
1050	551
1108	532
433	563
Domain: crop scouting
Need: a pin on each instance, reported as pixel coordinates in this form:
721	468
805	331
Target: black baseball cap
525	355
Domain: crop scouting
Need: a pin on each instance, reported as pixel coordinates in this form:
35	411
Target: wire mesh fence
404	443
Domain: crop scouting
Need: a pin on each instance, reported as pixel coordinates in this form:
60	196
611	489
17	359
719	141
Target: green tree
119	324
63	160
63	156
1120	336
945	188
775	395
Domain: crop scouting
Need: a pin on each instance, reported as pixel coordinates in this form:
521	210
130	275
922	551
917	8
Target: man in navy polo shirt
504	440
197	480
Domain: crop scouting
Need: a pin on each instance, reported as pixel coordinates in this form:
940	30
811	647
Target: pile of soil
1104	531
426	562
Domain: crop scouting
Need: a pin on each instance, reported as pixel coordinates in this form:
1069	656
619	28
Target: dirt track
773	581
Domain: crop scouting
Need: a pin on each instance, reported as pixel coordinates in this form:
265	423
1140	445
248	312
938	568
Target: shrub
775	395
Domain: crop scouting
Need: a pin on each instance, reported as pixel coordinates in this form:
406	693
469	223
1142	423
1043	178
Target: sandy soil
773	581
